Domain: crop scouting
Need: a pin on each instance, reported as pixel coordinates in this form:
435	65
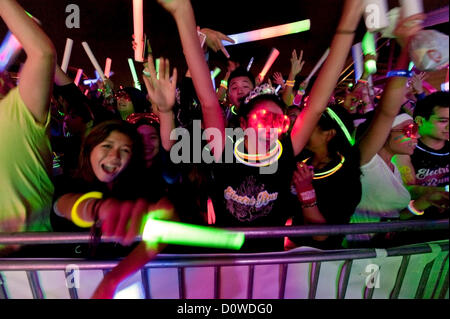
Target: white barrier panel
376	278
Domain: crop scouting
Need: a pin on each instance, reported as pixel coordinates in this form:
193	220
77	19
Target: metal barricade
407	272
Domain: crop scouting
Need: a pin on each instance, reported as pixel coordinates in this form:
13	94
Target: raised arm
296	67
328	75
184	17
36	77
393	95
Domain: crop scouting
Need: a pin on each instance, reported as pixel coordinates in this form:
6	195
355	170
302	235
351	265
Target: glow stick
277	89
157	62
137	85
250	64
138	20
369	47
216	72
410	7
318	65
163	231
273	56
427	86
108	67
78	77
411	65
267	33
93	59
212	79
376	14
357	55
67	53
9	50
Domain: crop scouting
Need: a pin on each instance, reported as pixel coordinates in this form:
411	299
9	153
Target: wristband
74	214
402	73
224	84
290	83
307	197
413	210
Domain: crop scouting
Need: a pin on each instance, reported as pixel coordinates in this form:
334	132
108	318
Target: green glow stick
157	62
137	85
163	231
369	47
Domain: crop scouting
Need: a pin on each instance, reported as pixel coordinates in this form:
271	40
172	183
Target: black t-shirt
337	197
431	166
244	197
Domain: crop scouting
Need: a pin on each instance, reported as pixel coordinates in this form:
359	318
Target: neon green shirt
26	189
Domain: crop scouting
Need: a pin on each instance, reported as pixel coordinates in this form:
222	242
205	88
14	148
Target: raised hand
214	40
303	177
162	91
408	27
278	79
296	63
416	82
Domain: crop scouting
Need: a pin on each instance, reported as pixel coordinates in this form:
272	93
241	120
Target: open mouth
110	169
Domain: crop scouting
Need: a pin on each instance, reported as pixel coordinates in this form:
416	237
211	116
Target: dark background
107	26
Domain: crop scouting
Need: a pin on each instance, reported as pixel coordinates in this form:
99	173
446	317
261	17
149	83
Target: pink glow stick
78	77
270	61
318	65
67	53
427	86
138	20
93	60
108	67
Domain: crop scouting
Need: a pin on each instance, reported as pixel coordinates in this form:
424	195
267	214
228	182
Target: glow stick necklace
263	160
432	153
329	172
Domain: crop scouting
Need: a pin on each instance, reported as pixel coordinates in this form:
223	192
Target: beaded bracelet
309	205
74	214
413	210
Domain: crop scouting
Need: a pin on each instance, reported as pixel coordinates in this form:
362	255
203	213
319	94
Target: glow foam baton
369	47
318	65
358	62
267	33
249	66
137	85
270	61
93	60
9	50
108	67
138	21
78	77
67	53
169	232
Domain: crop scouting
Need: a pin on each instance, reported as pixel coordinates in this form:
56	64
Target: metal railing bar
284	268
146	282
181	288
443	266
314	280
251	275
3	290
400	277
424	280
343	278
217	282
35	284
35	238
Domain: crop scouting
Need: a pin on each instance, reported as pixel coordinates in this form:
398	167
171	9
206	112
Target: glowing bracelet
413	210
402	73
74	215
224	84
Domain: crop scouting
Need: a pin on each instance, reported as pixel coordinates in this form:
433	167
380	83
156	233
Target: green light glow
163	231
369	48
411	65
371	66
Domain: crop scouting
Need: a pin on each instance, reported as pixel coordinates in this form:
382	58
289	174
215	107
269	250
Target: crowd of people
105	161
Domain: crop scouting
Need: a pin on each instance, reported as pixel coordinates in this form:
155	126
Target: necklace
330	171
258	160
432	153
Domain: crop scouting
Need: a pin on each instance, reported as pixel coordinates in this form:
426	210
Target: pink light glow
270	61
